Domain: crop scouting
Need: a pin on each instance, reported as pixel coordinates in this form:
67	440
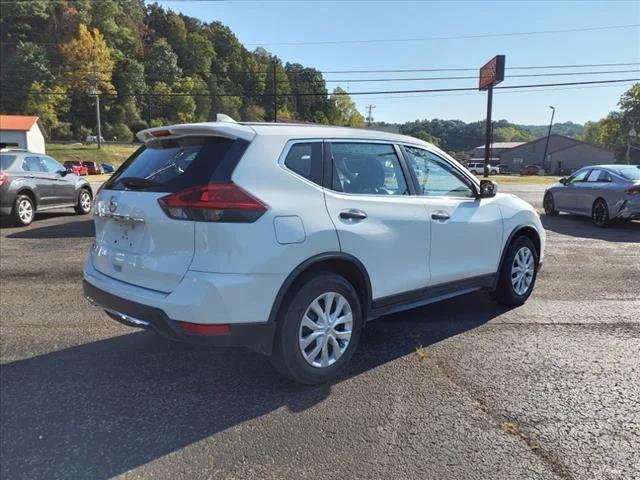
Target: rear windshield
6	161
631	173
171	165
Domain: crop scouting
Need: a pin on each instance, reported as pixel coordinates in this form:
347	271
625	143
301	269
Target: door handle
440	216
353	214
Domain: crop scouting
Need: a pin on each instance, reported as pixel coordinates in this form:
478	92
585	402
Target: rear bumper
256	336
629	209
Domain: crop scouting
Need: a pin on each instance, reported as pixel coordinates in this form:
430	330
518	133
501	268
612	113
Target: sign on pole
491	73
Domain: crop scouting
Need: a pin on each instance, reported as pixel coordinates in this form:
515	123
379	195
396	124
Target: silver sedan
603	192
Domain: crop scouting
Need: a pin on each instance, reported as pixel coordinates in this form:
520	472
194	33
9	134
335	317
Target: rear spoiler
213	129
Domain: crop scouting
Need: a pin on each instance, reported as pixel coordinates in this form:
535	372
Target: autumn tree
344	111
88	61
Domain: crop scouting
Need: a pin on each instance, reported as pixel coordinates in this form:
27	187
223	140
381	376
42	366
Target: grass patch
518	180
109	153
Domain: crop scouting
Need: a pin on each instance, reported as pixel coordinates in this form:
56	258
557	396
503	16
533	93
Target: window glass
604	177
33	164
436	177
52	165
170	165
6	161
306	159
594	175
630	173
579	176
367	169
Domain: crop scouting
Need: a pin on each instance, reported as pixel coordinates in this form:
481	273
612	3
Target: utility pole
487	141
275	94
546	145
370	117
94	92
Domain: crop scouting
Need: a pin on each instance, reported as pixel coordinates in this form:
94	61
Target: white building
21	131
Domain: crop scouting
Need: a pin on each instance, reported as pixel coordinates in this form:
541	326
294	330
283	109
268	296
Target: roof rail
221	117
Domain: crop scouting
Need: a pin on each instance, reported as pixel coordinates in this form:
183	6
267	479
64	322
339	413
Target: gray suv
33	182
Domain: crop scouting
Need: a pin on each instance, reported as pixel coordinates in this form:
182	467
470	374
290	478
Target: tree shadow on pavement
77	229
577	226
103	408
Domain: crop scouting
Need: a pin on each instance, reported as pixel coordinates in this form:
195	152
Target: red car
94	168
76	167
531	170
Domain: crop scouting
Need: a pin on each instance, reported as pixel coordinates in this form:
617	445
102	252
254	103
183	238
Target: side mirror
488	189
564	180
63	172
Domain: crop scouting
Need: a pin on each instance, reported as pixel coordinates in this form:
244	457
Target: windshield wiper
138	182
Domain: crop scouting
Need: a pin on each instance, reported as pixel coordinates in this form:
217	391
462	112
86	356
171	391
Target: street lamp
546	146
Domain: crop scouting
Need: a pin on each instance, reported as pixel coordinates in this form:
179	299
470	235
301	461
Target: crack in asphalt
512	427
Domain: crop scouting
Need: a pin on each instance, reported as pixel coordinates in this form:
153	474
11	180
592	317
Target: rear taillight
633	190
4	178
200	329
225	202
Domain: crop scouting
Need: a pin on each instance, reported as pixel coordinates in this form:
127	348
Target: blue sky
267	23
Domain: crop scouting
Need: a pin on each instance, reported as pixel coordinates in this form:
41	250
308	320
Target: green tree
47	102
344	111
197	55
161	63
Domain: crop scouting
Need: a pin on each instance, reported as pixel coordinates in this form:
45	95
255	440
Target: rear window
631	173
6	161
170	165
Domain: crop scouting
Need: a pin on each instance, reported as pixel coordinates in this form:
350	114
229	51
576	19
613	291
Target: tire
509	291
307	365
549	205
84	203
23	211
600	213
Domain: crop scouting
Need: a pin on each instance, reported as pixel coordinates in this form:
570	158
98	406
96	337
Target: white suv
478	169
288	238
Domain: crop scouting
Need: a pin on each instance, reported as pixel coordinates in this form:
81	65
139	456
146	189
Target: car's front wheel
549	204
318	329
518	273
85	200
23	210
600	213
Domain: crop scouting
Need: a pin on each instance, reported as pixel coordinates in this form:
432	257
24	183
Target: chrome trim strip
119	217
136	322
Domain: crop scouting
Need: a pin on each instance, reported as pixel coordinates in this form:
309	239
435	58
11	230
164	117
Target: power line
382	92
454	37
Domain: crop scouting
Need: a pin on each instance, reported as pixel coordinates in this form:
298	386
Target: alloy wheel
548	205
25	211
522	271
600	213
85	201
325	330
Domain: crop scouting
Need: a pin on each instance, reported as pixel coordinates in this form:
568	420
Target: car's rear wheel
600	213
549	204
318	329
85	202
23	210
518	273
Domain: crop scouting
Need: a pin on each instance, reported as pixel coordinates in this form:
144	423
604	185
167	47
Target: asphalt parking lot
550	390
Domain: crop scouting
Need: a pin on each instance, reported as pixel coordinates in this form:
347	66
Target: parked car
478	169
32	182
504	169
288	238
93	168
532	170
603	192
76	167
93	139
107	168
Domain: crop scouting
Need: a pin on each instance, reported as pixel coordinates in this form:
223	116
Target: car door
35	169
64	184
378	221
590	189
466	232
565	197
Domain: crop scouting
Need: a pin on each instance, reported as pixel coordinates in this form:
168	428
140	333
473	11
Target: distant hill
570	129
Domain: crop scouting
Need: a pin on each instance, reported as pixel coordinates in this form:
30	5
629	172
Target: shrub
62	131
